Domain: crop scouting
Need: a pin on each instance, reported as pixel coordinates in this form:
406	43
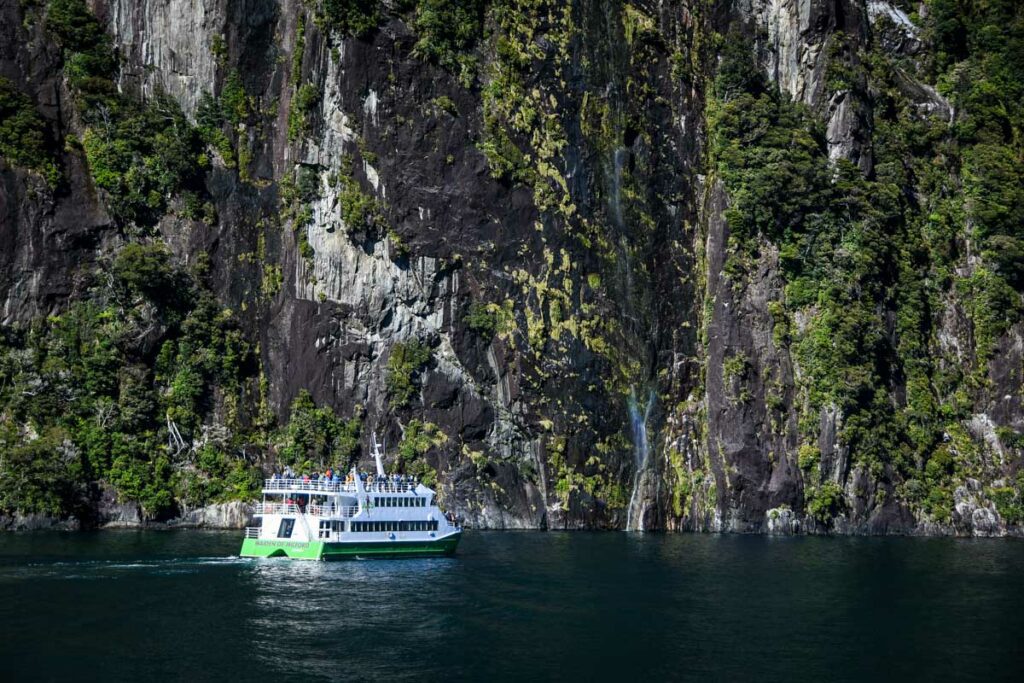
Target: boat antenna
378	455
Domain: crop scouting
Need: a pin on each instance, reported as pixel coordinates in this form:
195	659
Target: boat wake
101	569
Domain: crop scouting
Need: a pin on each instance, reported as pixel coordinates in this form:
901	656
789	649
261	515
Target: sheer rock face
234	515
723	416
167	45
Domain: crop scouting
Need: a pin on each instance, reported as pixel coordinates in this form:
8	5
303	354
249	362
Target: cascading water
641	451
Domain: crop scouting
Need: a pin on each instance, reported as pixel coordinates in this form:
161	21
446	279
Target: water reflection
336	613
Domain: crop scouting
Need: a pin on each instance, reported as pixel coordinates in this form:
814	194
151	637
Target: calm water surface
528	606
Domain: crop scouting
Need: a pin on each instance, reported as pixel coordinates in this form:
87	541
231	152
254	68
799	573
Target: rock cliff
743	265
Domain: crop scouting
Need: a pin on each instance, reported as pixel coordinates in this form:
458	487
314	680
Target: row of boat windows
430	525
399	502
336	526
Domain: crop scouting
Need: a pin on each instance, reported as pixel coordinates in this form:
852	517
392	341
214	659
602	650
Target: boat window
285	530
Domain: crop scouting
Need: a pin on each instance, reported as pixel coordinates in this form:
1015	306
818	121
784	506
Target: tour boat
360	516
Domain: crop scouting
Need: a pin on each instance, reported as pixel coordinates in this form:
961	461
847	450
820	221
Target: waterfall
641	452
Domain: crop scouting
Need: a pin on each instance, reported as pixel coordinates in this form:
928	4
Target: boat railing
312	485
332	511
308	485
276	509
252	532
312	510
391	487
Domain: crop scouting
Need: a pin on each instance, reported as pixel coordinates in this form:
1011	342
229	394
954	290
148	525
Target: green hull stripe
299	550
319	550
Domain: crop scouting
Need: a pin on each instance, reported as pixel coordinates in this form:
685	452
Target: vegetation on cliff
859	251
23	134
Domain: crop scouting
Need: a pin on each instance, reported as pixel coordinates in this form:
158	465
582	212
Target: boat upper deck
306	485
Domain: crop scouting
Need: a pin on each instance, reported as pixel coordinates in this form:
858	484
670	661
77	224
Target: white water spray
641	452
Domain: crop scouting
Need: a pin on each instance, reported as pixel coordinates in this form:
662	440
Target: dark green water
528	606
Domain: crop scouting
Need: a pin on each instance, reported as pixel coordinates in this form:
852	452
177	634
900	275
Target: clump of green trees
87	395
100	392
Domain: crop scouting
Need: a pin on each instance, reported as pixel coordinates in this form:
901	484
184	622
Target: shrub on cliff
350	17
305	100
447	29
418	439
404	362
142	155
825	502
23	133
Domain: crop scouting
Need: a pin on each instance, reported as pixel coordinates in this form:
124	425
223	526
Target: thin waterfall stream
641	453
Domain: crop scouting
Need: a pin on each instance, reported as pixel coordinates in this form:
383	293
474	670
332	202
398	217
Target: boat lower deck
326	550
